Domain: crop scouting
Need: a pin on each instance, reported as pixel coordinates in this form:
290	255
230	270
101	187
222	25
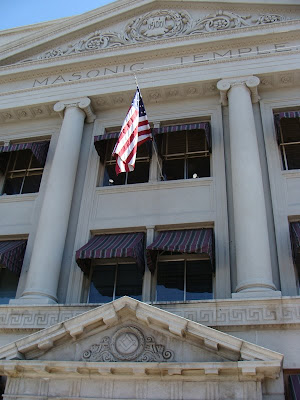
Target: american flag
134	132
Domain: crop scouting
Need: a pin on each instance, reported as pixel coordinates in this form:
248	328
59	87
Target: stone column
44	270
253	259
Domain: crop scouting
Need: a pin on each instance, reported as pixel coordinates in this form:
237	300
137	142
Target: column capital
251	82
84	103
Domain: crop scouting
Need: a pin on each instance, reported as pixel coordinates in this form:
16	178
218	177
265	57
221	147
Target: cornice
48	35
213	41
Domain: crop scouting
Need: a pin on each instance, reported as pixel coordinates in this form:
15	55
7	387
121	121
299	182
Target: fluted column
44	270
253	259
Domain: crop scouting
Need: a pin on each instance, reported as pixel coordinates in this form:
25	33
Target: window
185	154
111	281
22	167
8	285
11	260
295	242
288	136
141	170
183	279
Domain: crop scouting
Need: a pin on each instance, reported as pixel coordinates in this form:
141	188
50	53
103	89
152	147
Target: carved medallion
127	344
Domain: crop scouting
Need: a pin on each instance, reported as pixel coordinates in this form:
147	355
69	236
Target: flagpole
153	140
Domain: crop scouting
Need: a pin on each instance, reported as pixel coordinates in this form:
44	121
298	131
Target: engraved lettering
181	59
58	79
38	83
133	67
76	75
244	50
93	73
258	51
198	58
281	47
215	54
111	70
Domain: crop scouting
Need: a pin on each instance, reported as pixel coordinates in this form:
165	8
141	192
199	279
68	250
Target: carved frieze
128	344
160	24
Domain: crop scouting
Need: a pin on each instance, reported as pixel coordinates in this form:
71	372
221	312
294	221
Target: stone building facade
179	280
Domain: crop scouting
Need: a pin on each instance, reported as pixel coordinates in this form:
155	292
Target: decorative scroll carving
161	24
127	344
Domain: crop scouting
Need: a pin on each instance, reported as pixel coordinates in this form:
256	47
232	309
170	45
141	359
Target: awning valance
199	241
294	386
12	254
279	116
38	149
112	246
295	239
100	142
187	127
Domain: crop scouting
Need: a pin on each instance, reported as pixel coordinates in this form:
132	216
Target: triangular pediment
125	24
129	330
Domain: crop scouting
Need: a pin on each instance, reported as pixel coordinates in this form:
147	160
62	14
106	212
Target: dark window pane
110	174
292	152
170	281
196	140
13	185
4	157
175	143
35	163
173	169
12	158
8	285
129	281
140	173
290	128
32	184
198	280
144	149
23	159
102	284
199	166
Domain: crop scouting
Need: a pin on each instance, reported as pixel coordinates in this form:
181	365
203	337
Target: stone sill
213	313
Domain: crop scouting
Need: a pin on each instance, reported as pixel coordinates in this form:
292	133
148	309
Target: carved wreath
127	344
161	24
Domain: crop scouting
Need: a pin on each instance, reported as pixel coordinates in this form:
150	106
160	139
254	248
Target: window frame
282	148
174	256
106	262
185	156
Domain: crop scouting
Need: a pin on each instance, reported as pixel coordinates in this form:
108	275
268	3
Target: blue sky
25	12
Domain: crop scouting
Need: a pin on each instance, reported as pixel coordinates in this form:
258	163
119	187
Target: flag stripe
134	132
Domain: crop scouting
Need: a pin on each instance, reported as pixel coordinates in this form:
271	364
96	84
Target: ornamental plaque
127	344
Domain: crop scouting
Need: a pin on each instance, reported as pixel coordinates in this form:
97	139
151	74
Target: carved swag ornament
127	344
161	24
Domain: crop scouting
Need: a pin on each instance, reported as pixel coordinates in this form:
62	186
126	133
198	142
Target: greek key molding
159	24
128	344
268	312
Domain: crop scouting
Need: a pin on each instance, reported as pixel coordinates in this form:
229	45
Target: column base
257	294
32	300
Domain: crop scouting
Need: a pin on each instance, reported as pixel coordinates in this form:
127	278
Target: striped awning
278	117
112	246
187	127
12	254
295	239
38	149
294	386
100	142
199	241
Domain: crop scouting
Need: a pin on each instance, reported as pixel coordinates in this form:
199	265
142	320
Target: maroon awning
278	117
112	246
294	386
12	254
187	127
295	239
199	241
100	142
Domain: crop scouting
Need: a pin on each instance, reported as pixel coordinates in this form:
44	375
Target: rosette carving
127	344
